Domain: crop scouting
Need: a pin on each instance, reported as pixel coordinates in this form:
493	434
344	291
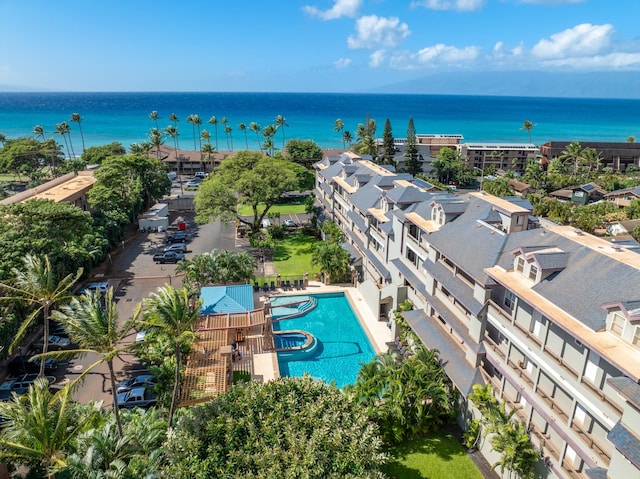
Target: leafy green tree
61	231
93	324
411	155
497	187
170	310
405	397
449	165
28	156
303	152
245	178
332	259
38	285
217	267
39	428
101	453
289	427
95	155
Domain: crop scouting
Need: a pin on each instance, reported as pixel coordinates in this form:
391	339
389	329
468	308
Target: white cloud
377	58
341	8
446	54
373	31
459	5
342	63
582	40
612	61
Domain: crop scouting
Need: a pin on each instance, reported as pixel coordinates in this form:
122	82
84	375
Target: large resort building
546	314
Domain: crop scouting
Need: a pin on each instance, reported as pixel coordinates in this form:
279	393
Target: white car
177	247
201	174
194	183
266	223
289	223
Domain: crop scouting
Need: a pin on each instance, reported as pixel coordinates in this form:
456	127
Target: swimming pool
342	344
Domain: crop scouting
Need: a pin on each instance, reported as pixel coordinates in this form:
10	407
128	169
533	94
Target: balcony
495	348
521	372
560	361
589	440
601	394
549	448
548	399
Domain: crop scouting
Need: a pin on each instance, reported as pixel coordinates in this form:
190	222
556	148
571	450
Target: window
520	264
636	337
414	232
509	300
533	272
617	325
412	256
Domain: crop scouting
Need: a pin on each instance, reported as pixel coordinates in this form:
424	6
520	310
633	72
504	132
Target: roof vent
578	232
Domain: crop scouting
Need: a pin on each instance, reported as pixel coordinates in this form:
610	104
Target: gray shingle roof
626	442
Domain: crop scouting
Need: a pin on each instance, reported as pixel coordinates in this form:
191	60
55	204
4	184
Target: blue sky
309	45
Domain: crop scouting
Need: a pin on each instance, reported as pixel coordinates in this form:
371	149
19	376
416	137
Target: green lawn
292	255
284	209
438	456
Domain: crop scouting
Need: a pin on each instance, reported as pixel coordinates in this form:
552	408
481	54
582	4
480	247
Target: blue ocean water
342	343
124	117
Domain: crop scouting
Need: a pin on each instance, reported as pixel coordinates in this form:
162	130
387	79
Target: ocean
124	117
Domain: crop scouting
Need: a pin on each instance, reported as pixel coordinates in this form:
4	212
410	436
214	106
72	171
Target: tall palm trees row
64	130
267	132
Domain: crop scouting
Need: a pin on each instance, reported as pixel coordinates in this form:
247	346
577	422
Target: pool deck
263	365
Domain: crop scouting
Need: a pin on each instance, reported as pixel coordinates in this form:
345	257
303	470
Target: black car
22	365
179	237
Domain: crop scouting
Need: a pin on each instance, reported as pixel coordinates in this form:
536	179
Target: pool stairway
293	309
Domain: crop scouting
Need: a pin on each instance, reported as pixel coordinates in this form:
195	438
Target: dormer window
520	264
617	324
384	204
533	272
636	337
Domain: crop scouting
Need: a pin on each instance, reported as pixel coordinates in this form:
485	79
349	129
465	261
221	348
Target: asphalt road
133	274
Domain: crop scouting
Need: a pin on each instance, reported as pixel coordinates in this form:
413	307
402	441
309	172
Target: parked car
194	182
56	343
266	222
289	223
172	175
101	286
168	257
177	247
201	174
137	397
140	335
21	365
142	380
178	237
19	385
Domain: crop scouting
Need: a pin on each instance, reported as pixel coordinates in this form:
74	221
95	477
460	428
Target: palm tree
269	132
332	258
156	139
76	118
256	128
227	131
281	122
347	139
172	131
174	118
207	148
170	311
224	122
61	129
195	121
528	125
155	117
38	130
573	153
242	127
40	427
214	121
338	125
93	324
37	285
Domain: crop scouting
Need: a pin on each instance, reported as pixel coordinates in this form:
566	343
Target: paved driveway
133	275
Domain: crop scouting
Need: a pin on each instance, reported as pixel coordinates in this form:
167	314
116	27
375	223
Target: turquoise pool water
342	343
